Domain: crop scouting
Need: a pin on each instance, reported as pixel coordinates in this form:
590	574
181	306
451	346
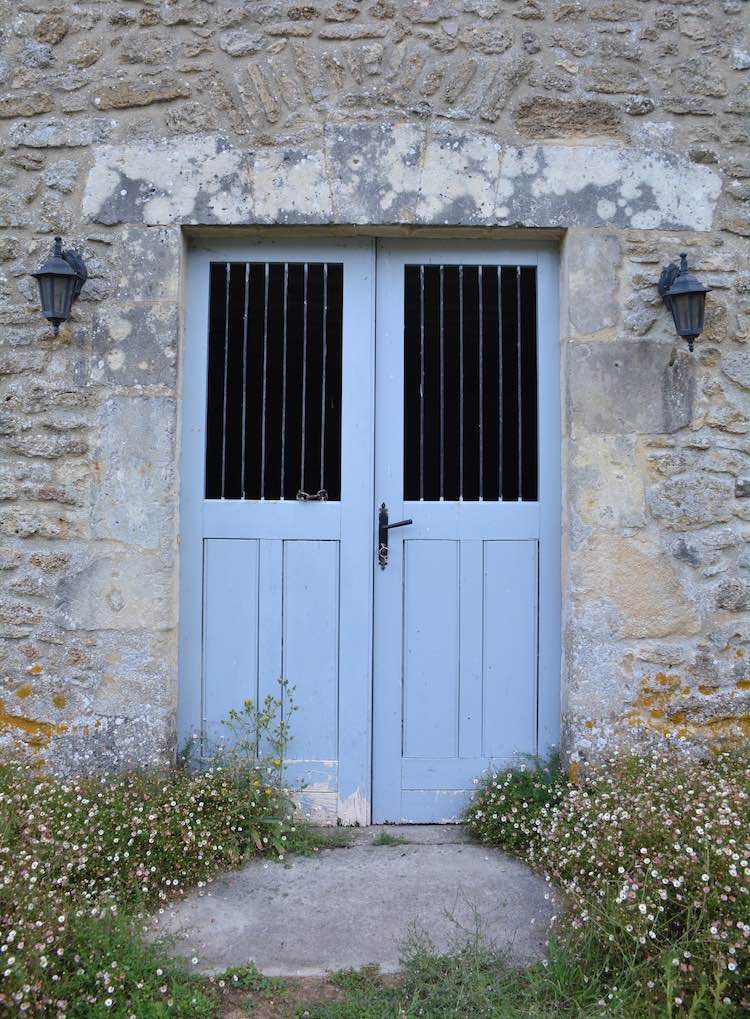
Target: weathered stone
125	94
353	32
135	454
239	42
26	105
637	584
612	80
55	133
733	594
122	592
545	117
36	54
51	29
134	346
736	365
61	175
691	500
696	77
630	386
639	106
485	40
86	53
593	260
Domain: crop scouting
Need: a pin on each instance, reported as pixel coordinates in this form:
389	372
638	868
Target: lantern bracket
77	264
668	275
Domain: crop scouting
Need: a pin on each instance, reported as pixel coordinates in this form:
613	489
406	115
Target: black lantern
60	279
685	296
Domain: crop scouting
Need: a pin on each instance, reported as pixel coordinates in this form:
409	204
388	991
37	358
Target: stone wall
621	124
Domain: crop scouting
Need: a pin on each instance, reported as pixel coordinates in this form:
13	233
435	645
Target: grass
386	839
651	854
309	839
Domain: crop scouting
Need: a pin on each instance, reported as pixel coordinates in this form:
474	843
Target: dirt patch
298	991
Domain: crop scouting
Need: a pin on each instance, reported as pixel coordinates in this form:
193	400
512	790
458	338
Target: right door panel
460	449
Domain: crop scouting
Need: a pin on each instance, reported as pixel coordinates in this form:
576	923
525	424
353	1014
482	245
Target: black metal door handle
383	528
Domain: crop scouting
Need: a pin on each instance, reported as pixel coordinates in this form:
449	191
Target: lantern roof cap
58	264
684	282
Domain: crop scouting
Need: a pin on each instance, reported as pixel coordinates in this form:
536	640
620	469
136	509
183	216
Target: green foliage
386	839
308	839
81	859
652	855
510	806
248	978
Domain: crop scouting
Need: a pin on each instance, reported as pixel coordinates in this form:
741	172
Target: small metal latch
383	528
319	496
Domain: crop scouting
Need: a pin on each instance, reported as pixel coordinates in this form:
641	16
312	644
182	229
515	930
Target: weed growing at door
652	855
82	860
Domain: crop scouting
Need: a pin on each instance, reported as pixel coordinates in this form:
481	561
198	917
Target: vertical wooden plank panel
230	629
510	647
311	646
471	594
270	599
431	648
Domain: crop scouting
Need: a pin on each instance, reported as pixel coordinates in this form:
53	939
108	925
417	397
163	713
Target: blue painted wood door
278	386
466	637
411	679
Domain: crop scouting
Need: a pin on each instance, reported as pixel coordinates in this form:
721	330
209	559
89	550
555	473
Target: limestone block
135	345
549	117
593	262
733	594
736	365
627	387
124	94
134	478
204	179
638	583
691	500
239	42
605	482
54	133
117	591
26	105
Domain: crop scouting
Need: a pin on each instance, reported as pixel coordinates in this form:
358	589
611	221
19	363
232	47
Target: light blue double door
332	389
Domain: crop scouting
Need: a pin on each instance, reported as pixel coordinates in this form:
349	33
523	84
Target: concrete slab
349	907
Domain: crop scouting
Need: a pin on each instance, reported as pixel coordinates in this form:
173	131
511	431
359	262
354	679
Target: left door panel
276	503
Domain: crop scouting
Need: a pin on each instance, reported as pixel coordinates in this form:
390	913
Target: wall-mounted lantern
60	279
685	296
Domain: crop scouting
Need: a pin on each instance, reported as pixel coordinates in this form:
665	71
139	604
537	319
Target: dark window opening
470	383
273	420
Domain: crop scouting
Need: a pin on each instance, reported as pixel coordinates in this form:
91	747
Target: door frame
357	704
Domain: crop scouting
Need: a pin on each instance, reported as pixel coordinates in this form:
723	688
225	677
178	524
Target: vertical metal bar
283	375
518	381
442	382
500	383
421	383
460	382
245	321
225	409
481	385
323	379
265	387
304	378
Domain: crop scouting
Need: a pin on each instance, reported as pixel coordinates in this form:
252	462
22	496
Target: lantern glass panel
56	295
688	312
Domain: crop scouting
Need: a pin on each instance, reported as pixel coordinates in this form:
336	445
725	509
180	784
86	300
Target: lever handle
399	523
383	528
